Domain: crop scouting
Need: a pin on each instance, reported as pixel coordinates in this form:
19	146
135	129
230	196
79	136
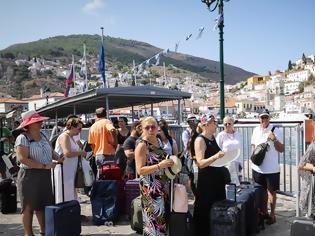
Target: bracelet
158	167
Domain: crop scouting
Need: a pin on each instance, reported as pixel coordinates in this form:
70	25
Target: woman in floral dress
150	163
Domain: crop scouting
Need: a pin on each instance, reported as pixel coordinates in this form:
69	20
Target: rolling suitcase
228	216
104	201
180	223
247	197
132	191
63	219
136	221
305	226
8	197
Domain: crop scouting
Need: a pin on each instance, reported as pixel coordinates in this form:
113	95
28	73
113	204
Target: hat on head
191	117
264	112
206	118
172	171
31	117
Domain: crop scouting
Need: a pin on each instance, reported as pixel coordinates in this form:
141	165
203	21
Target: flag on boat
101	63
70	80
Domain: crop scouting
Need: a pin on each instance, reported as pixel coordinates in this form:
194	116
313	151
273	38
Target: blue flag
101	63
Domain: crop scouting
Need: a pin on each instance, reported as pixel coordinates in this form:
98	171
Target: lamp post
220	22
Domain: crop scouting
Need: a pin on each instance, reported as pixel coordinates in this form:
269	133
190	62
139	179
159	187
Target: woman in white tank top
67	146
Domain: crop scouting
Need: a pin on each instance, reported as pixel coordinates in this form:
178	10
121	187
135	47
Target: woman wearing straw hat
150	165
34	178
211	180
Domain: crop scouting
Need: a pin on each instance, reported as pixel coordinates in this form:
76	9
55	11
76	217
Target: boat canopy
110	98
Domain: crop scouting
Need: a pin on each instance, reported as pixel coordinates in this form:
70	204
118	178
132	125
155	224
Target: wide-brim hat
172	171
31	117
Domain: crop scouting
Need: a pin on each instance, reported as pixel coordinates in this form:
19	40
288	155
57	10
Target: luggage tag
230	192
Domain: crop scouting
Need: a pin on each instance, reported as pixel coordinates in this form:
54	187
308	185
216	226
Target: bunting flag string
156	58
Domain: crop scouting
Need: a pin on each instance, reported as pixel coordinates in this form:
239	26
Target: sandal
271	220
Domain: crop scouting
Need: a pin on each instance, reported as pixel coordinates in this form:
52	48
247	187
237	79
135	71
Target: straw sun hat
172	171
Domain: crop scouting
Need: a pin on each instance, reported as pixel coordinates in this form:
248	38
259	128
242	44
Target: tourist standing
150	165
268	173
129	149
229	139
306	170
68	147
167	143
34	178
211	180
103	138
123	132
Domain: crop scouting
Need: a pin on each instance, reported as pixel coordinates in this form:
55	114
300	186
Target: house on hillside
37	101
9	104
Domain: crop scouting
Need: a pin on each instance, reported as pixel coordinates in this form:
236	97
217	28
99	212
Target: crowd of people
144	149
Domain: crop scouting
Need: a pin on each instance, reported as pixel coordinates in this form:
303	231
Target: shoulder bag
259	153
79	176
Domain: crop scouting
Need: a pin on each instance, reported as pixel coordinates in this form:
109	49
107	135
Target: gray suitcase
305	226
136	221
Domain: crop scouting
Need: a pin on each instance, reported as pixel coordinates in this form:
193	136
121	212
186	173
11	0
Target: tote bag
87	172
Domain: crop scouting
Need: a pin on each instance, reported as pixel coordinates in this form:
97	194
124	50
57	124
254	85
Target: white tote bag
88	173
180	203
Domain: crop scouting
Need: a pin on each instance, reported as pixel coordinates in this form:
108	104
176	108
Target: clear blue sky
259	36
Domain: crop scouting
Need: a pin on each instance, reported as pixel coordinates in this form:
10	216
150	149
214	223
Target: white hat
191	117
172	171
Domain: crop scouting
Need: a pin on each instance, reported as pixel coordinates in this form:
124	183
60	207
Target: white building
8	104
291	88
37	101
299	76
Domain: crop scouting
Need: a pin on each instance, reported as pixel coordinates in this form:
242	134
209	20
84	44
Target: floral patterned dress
309	157
153	196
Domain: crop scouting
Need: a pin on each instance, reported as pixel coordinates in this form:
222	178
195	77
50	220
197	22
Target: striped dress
34	185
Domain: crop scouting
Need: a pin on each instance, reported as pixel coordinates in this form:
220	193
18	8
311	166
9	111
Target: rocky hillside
120	54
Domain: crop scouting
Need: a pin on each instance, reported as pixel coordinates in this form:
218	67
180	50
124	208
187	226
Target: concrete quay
10	224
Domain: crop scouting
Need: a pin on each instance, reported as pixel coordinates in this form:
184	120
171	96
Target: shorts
268	181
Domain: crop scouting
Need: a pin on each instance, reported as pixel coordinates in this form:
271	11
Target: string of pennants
156	58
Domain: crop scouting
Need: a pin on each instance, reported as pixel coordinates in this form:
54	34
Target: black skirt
35	188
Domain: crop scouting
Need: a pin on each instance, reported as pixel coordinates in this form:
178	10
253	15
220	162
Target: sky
259	36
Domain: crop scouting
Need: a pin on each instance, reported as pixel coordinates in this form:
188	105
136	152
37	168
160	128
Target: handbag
79	176
88	172
259	153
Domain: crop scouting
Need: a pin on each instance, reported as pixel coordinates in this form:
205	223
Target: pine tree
290	65
304	58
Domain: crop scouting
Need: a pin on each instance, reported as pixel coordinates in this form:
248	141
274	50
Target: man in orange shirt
103	138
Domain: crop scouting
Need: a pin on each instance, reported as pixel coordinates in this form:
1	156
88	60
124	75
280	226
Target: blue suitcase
63	219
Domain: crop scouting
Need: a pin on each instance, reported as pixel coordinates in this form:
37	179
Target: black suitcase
247	197
226	219
303	227
8	198
63	219
180	224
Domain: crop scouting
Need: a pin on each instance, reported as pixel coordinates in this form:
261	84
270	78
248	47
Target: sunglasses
227	124
148	127
264	117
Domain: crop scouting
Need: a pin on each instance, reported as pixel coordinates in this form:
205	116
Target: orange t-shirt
101	137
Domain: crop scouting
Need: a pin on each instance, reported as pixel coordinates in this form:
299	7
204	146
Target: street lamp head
209	3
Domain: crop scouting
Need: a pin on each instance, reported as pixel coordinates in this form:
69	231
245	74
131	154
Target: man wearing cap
268	173
103	138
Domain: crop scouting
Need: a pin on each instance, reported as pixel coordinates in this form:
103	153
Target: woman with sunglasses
211	180
67	145
229	139
150	165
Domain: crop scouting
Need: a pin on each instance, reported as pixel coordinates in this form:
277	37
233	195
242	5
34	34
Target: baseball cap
264	112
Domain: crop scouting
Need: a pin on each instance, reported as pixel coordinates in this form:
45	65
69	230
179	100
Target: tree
290	65
304	58
301	87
